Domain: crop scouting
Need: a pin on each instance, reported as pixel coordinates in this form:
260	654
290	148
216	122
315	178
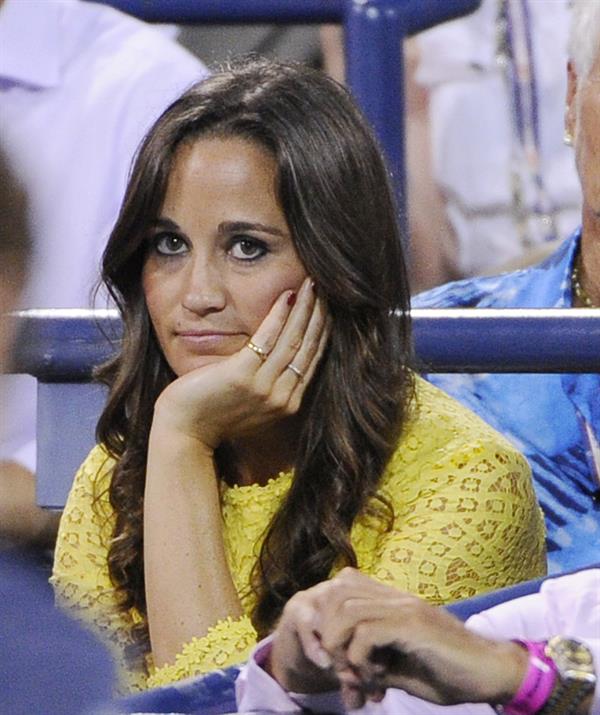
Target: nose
204	290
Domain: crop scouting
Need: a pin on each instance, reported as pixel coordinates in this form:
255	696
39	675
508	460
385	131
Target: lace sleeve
80	573
465	523
228	642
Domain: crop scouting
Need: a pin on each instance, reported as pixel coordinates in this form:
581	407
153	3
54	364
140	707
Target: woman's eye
169	244
247	249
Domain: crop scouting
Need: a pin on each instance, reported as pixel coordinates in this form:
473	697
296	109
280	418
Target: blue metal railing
64	345
374	33
418	14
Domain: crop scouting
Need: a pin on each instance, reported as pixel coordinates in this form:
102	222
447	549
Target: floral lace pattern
465	521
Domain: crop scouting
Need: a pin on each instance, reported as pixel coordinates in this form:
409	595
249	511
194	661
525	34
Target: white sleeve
566	605
257	690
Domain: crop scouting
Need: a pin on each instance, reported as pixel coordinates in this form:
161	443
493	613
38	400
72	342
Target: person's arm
332	50
567	605
373	637
22	521
466	515
189	588
433	242
292	669
188	584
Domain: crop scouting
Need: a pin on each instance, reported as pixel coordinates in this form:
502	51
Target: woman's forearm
188	582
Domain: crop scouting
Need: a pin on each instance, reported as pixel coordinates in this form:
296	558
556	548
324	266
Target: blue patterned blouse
553	419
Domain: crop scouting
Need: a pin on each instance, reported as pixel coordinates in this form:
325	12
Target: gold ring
299	374
261	352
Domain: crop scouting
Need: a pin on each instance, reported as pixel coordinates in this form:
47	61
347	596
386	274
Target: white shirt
567	606
80	84
472	131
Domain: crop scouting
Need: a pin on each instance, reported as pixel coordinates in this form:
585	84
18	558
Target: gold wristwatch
576	677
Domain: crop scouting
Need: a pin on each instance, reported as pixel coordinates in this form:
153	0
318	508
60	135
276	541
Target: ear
571	101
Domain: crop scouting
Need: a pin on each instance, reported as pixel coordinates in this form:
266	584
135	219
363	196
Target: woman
263	427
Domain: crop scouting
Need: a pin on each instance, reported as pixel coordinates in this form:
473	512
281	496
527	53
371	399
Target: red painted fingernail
291	298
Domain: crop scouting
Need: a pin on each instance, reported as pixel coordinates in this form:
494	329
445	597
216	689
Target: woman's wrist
174	435
171	419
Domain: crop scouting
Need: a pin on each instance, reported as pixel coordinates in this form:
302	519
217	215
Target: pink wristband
538	684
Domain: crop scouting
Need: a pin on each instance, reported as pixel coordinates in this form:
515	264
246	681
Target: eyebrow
225	226
163	222
238	226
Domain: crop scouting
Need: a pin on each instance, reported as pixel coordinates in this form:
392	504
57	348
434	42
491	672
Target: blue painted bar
233	11
420	14
507	340
376	79
65	345
67	414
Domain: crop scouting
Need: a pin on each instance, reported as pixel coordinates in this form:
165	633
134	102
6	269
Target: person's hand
235	396
373	637
300	659
297	661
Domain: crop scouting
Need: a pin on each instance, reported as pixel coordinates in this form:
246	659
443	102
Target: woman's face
219	254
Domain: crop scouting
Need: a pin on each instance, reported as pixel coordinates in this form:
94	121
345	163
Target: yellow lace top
466	521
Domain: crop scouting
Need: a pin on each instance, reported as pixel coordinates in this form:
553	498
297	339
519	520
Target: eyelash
157	244
163	236
254	243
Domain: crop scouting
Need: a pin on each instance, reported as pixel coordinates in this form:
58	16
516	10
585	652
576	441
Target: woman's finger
294	335
261	344
308	362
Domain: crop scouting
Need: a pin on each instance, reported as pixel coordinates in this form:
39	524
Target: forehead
226	161
219	178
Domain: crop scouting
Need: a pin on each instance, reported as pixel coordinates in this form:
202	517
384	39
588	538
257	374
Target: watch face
573	659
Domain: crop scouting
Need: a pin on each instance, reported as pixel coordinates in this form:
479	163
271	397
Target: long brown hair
334	190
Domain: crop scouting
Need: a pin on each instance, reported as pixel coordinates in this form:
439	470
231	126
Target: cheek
588	129
256	303
588	162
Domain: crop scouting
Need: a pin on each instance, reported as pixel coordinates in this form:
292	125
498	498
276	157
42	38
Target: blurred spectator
489	180
48	663
79	85
15	250
496	84
553	419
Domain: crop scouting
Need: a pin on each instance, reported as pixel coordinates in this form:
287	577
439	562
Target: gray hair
584	39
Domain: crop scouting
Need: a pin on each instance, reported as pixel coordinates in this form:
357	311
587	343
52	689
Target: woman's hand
237	395
371	637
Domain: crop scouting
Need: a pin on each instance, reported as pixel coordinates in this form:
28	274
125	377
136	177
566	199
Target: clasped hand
238	394
363	637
